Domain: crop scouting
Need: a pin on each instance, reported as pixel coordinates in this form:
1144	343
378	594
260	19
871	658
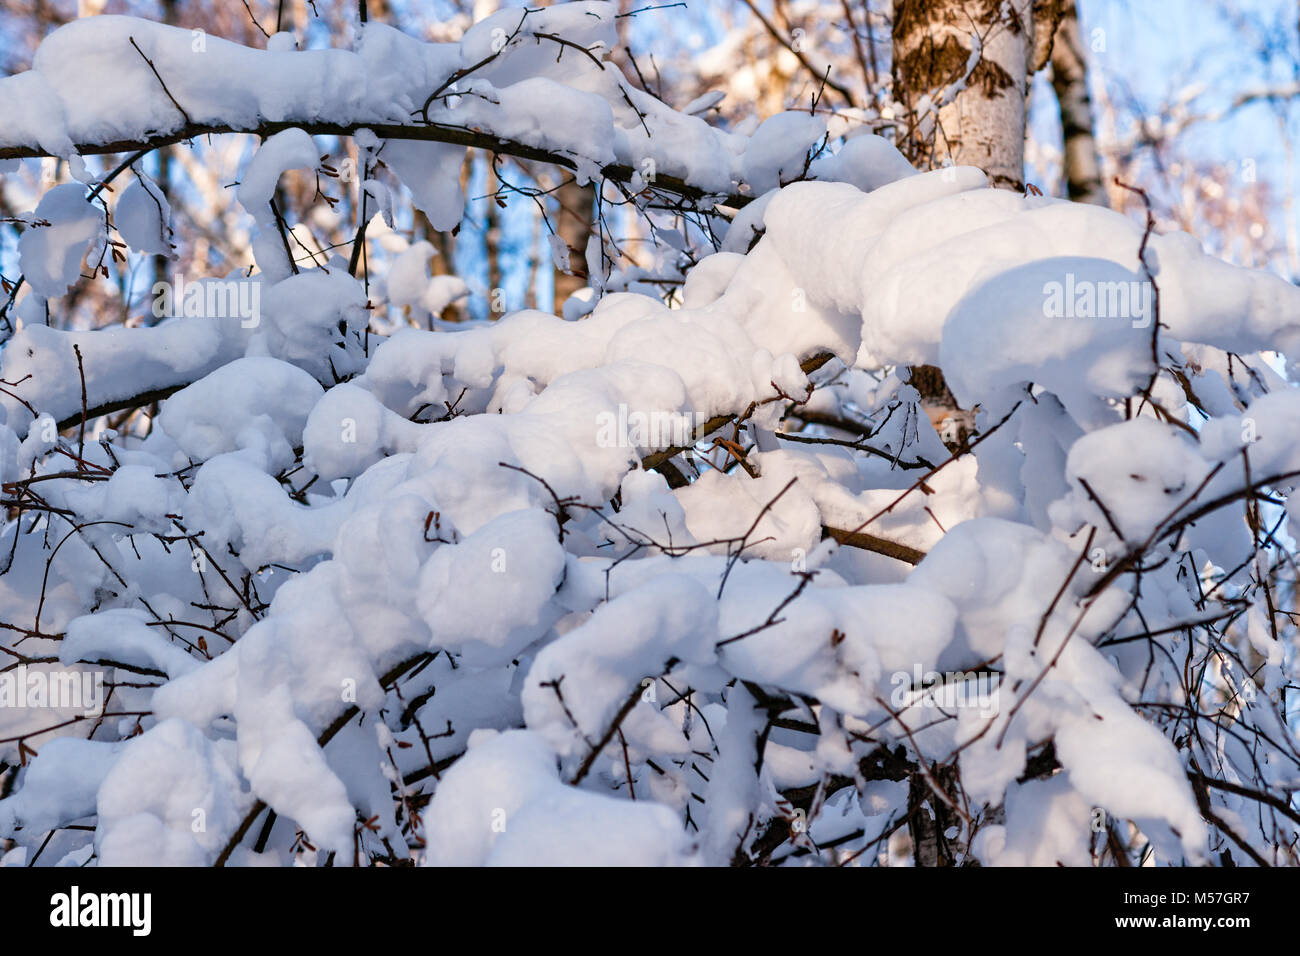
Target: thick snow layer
259	394
124	634
90	84
514	564
192	797
68	228
119	363
1048	825
504	805
61	786
779	150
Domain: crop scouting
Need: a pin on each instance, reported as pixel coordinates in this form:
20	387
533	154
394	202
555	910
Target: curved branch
433	133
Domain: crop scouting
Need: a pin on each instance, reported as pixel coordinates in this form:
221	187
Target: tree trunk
928	826
573	226
1070	81
492	248
444	243
981	116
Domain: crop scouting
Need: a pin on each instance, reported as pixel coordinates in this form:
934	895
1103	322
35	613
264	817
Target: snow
409	282
503	804
290	149
82	70
778	151
1163	470
118	362
236	503
514	565
142	217
51	255
312	320
1144	781
865	161
61	786
194	798
133	497
432	172
104	88
263	395
123	634
1037	809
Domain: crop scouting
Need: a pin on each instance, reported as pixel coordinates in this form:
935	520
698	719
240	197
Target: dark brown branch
121	404
608	736
434	133
81	434
869	542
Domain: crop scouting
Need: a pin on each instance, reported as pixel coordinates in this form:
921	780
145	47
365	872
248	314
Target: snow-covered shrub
451	595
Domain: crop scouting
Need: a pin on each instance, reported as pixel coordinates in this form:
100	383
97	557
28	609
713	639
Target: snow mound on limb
503	804
169	800
209	418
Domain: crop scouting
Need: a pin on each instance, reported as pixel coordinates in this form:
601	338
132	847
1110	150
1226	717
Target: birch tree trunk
1070	81
972	59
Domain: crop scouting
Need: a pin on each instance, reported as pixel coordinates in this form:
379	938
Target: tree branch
433	133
